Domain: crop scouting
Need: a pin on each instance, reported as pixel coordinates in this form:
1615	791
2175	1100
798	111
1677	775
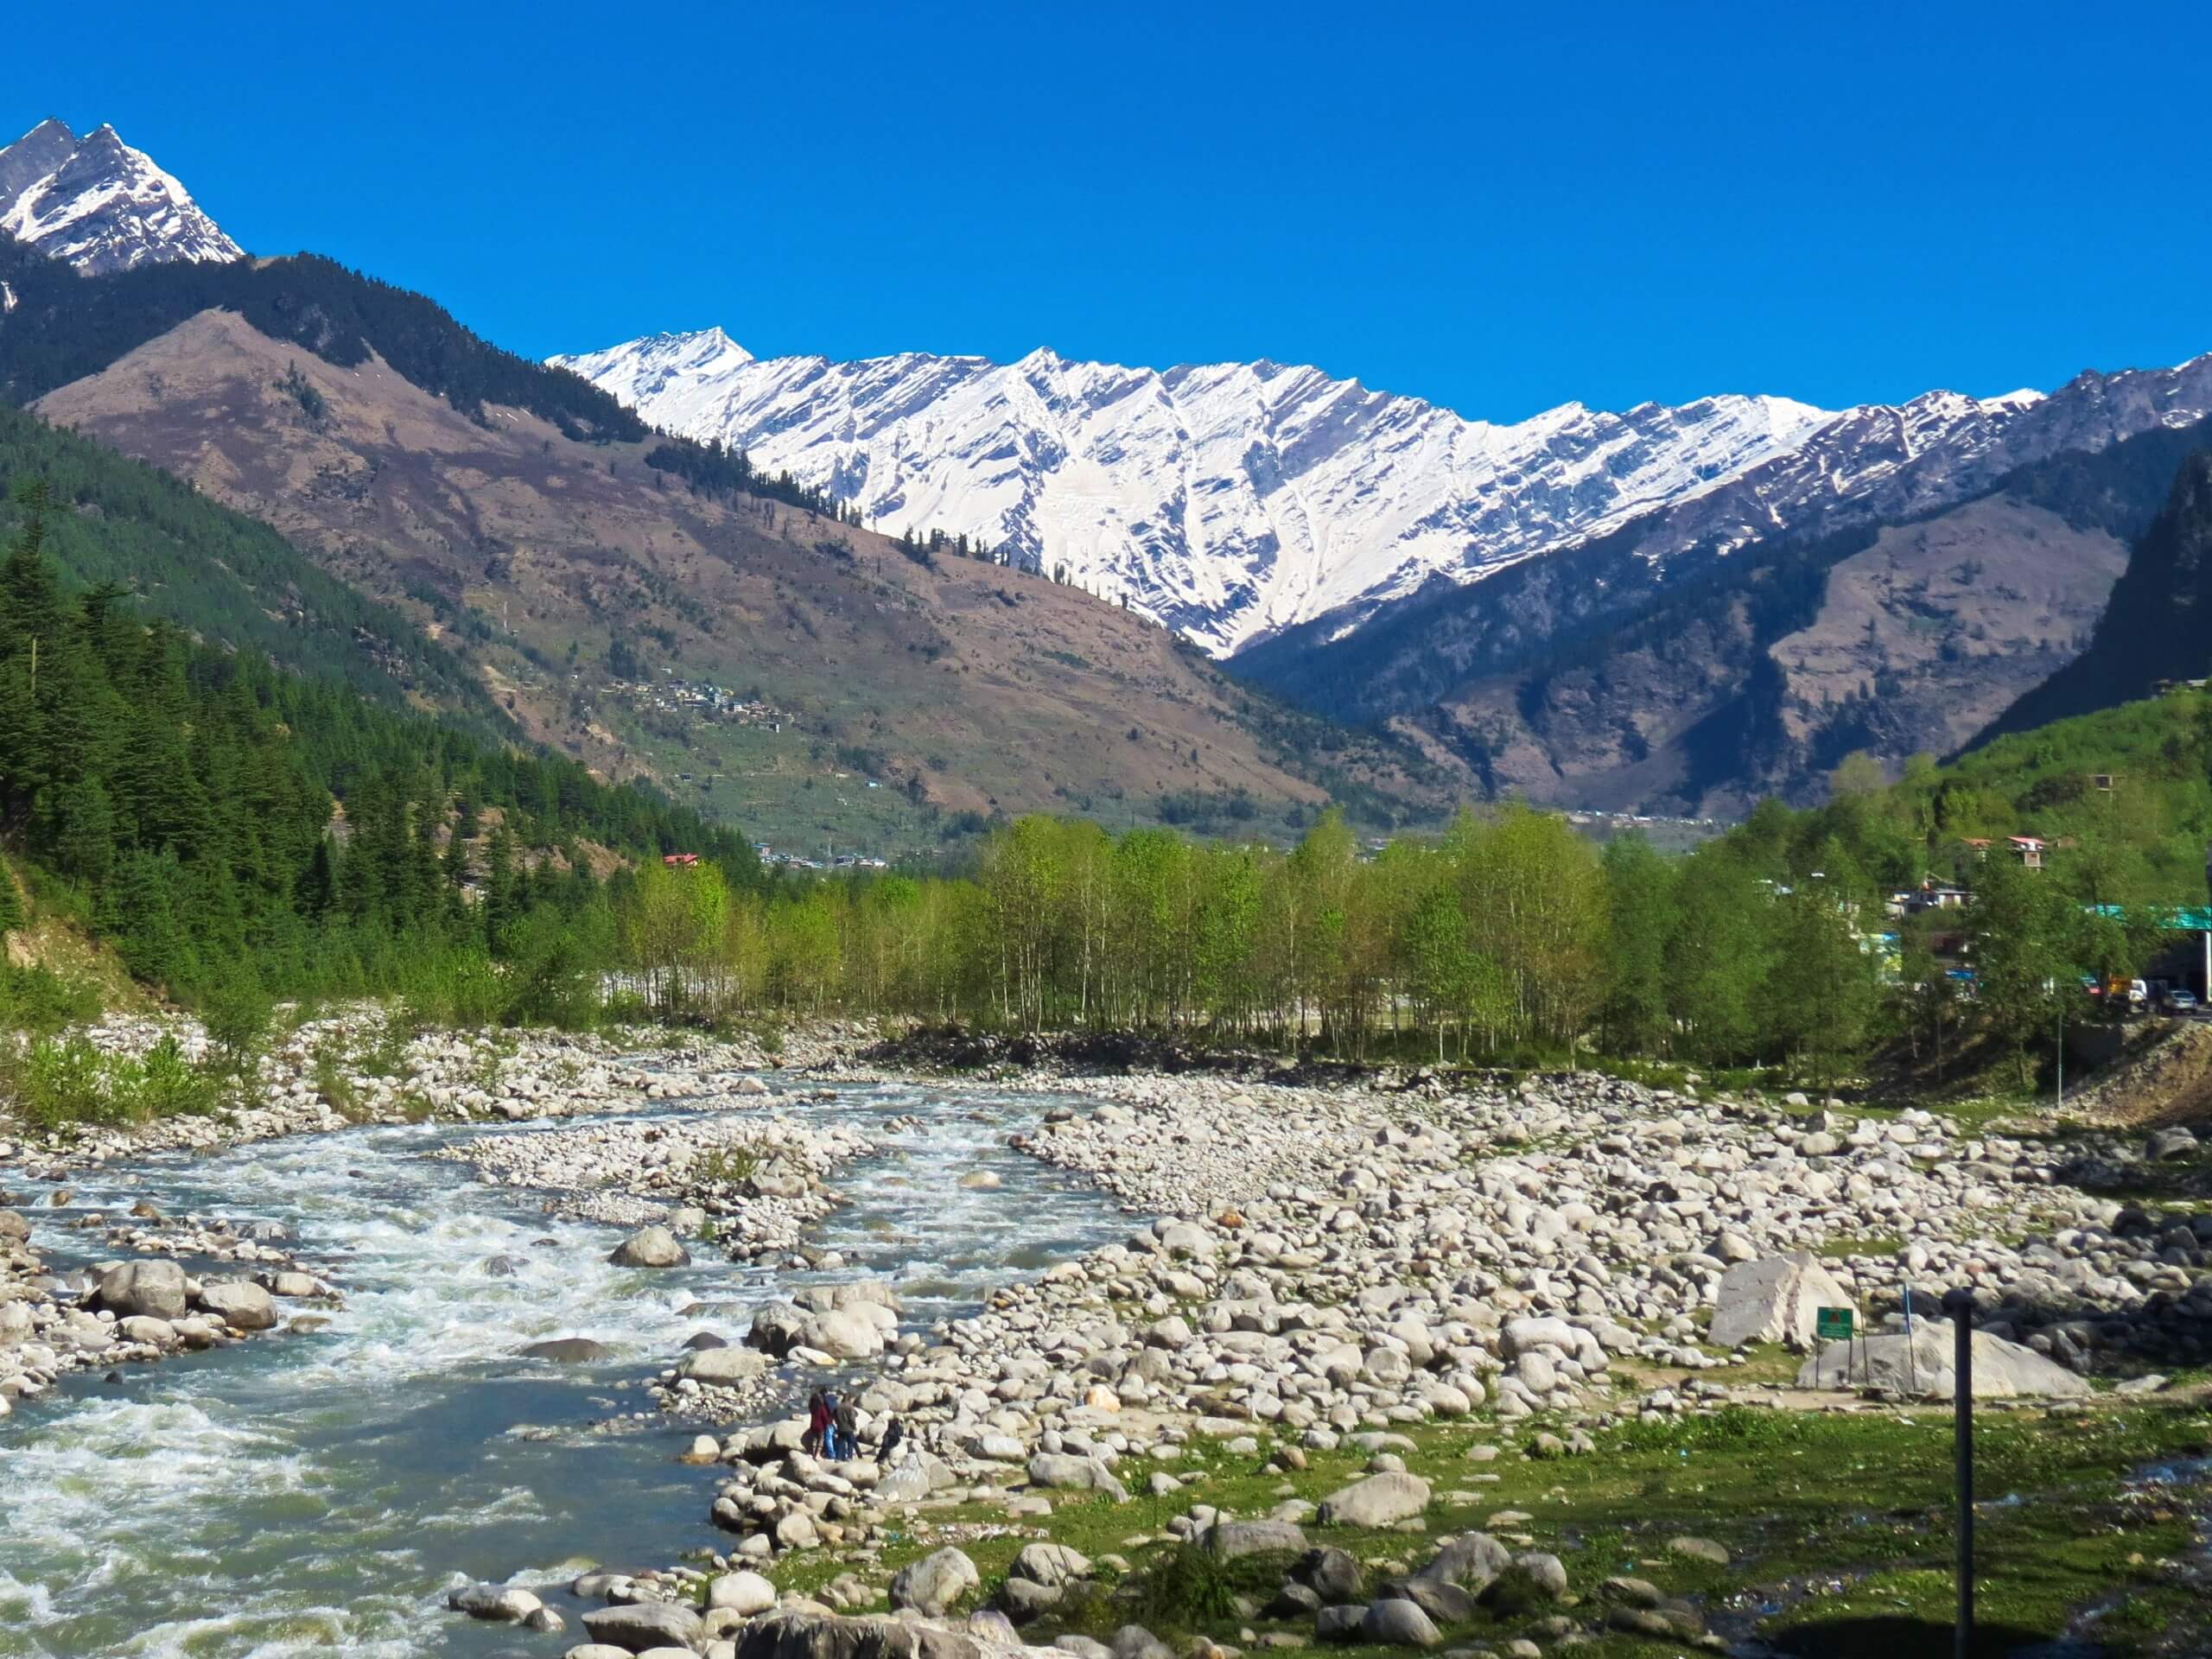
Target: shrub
236	1013
455	988
387	1056
168	1085
53	1083
1516	1594
732	1165
1188	1588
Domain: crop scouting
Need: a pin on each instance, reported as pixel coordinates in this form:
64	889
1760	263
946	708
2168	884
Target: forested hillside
220	820
220	576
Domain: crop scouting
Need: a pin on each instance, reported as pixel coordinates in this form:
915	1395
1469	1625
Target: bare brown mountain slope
964	687
1915	642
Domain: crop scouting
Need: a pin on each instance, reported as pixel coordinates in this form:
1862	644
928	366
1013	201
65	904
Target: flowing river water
318	1492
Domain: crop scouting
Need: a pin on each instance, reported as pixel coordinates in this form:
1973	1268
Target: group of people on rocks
833	1429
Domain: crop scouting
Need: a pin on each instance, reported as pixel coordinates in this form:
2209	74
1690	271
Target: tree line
1507	937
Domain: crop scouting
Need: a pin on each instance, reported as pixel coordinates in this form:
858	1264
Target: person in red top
815	1440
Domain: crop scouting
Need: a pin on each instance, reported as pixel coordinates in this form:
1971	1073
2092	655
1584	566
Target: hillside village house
2028	850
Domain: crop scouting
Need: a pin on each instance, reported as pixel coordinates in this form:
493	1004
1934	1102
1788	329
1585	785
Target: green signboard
1833	1324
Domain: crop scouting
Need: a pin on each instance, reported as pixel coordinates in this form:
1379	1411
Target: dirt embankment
2168	1080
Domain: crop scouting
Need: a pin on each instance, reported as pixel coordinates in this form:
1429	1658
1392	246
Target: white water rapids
319	1492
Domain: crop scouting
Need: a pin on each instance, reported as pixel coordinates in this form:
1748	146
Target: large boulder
643	1625
1334	1575
496	1603
913	1477
1471	1561
1025	1600
1533	1331
776	1328
1079	1474
1447	1604
1778	1299
857	1293
1184	1238
1051	1565
1920	1366
649	1247
1229	1539
1548	1334
745	1593
845	1333
565	1351
724	1367
154	1288
1392	1622
241	1306
931	1584
1541	1573
1379	1500
1333	1625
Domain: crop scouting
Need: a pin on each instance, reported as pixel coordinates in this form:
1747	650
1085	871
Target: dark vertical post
1959	1304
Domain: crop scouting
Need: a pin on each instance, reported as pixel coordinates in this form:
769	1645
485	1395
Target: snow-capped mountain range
1232	501
100	205
1227	500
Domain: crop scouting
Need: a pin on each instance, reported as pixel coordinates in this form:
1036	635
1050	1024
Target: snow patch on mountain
97	204
1227	500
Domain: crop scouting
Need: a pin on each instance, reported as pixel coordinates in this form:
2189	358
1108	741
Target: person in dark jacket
894	1436
814	1441
849	1429
832	1442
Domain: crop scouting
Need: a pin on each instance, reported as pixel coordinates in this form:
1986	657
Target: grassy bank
1837	1529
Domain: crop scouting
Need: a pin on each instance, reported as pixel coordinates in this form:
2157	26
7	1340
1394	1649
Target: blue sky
1497	208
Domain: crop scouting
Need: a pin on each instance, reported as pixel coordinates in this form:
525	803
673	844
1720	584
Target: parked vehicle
2181	1002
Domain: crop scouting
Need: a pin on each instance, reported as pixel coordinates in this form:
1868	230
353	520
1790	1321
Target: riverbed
318	1491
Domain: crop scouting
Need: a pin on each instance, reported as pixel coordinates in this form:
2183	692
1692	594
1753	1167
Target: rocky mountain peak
97	204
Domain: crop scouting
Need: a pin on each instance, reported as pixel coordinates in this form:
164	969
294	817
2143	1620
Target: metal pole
2061	1058
1959	1304
1911	1359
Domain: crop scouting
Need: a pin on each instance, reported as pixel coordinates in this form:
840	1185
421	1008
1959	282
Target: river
319	1492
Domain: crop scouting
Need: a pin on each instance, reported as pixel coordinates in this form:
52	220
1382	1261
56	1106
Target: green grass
1874	1244
1859	1505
